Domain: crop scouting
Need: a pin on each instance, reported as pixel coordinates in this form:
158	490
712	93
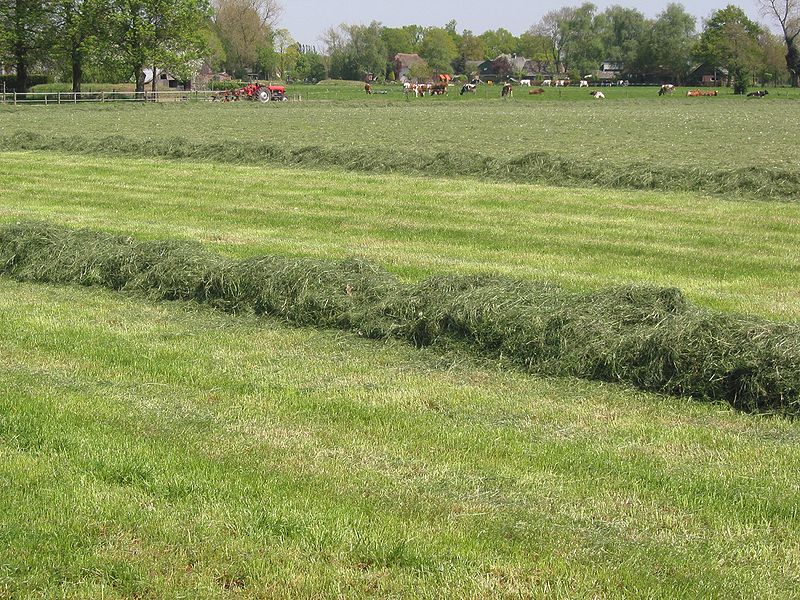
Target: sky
306	20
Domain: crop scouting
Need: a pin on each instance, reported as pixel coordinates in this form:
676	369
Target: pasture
164	449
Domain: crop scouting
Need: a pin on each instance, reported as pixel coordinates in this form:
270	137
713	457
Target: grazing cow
547	82
536	91
562	82
468	88
667	88
526	82
438	89
758	94
368	88
700	93
597	94
583	83
507	90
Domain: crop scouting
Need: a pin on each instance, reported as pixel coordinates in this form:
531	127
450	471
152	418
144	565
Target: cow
525	82
699	93
536	91
547	82
667	88
583	83
508	90
368	88
438	89
597	94
758	94
468	88
562	82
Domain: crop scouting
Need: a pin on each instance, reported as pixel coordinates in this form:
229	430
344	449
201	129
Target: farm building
165	80
403	62
709	76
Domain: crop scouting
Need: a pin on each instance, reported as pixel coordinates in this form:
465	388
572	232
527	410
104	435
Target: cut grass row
727	255
164	450
637	143
649	337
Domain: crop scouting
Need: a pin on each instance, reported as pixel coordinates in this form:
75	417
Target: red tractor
254	91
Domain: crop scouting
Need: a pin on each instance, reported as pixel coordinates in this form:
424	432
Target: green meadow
167	450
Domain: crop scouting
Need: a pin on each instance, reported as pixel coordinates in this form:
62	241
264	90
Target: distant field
707	132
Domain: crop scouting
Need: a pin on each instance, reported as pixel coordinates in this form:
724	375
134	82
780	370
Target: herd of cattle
507	90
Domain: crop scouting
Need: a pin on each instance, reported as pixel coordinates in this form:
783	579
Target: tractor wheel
264	95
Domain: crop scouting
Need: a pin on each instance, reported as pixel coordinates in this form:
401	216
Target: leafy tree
356	50
439	50
502	66
398	40
244	26
533	46
731	40
787	14
419	71
470	48
156	32
621	31
582	48
24	29
310	67
668	43
499	42
75	28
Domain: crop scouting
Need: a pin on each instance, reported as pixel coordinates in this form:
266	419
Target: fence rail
47	98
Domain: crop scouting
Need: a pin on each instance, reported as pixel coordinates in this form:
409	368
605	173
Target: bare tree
787	13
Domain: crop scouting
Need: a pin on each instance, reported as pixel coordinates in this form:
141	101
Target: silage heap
650	337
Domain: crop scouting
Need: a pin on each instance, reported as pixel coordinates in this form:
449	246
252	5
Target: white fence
47	98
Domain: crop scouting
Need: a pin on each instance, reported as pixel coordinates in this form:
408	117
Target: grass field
166	450
671	132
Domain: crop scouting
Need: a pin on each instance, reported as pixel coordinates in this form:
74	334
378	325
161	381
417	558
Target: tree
499	42
502	66
729	38
419	71
470	48
156	32
244	26
621	31
667	44
75	26
24	29
356	50
439	50
787	13
550	28
310	67
582	48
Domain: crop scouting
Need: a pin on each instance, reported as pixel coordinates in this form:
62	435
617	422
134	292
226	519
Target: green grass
639	144
164	450
725	254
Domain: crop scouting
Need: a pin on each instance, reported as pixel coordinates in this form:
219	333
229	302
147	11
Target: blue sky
307	19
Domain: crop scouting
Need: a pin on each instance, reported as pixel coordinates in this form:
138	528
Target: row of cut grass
727	255
637	143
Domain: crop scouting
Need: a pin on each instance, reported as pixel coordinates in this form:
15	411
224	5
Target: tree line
117	40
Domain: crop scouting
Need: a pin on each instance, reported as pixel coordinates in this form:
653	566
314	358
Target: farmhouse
403	62
709	75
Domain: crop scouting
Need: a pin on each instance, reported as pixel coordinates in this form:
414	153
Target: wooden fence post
15	97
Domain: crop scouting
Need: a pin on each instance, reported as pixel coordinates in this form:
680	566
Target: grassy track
725	254
159	451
